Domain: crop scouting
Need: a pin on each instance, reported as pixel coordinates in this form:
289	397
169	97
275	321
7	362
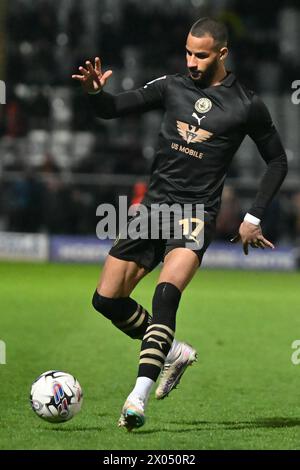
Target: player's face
202	58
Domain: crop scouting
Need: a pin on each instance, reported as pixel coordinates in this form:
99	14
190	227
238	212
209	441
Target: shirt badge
203	105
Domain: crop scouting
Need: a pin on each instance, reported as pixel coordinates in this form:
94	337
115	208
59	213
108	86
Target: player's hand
250	234
92	79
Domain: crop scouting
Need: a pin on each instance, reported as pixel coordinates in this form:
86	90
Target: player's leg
112	296
119	277
181	355
180	265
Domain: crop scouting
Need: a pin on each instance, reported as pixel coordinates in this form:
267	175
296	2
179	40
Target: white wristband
250	218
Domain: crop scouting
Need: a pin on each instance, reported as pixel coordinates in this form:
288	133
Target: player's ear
223	53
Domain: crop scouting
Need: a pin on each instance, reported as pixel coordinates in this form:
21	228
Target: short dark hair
213	28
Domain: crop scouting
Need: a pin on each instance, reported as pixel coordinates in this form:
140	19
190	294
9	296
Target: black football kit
201	130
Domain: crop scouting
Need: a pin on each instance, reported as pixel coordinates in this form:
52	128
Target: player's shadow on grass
70	429
275	422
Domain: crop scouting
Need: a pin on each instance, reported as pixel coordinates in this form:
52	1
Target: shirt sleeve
263	132
151	96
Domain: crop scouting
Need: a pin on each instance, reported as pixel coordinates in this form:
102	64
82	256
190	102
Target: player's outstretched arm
109	106
92	79
250	234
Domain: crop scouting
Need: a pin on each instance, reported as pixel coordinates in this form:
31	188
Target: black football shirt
201	130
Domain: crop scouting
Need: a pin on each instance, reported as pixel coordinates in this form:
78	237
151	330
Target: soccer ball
56	396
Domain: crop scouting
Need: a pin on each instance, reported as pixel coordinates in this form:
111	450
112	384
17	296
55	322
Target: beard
204	79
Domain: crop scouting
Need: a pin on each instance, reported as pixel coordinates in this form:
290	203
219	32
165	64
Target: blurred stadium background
58	163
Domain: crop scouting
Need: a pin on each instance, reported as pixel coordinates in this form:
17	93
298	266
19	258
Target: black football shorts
149	252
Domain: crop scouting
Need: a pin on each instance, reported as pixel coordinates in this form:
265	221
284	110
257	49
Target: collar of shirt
227	81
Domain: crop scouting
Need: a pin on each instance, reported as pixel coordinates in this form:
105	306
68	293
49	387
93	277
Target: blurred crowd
34	204
50	143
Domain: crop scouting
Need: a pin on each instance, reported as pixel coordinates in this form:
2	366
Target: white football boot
133	414
173	369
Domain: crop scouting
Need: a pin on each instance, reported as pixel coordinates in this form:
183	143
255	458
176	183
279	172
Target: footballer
207	114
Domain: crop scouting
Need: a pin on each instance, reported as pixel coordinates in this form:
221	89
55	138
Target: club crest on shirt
203	105
190	134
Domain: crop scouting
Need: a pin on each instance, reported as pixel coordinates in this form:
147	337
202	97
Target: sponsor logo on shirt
192	135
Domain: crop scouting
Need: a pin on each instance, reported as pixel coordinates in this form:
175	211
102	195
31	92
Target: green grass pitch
242	394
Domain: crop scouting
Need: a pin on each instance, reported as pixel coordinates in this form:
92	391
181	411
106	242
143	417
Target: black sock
125	313
160	333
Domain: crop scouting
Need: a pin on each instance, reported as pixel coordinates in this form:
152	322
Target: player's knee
102	304
125	313
113	308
